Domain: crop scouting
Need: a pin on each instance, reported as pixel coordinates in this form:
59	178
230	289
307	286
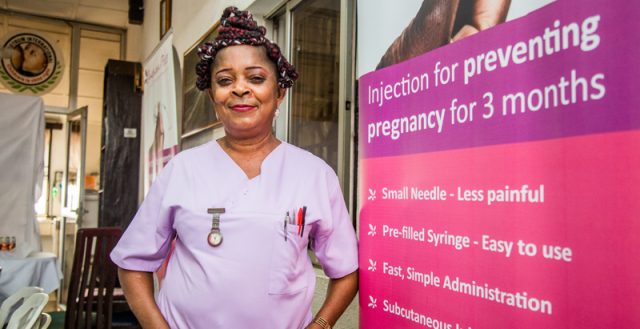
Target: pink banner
506	196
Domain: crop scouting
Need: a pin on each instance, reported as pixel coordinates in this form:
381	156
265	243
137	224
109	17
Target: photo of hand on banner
438	23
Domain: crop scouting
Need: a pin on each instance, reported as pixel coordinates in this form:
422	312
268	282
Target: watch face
214	238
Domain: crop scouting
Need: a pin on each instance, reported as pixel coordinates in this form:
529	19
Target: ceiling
103	12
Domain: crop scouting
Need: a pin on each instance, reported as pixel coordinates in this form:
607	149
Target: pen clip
286	221
304	219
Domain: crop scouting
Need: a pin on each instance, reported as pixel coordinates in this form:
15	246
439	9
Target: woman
243	209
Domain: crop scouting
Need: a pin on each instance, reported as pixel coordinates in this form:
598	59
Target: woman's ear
281	93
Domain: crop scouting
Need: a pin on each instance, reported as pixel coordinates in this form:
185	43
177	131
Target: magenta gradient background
587	156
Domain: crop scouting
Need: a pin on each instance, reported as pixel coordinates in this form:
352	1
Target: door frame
74	214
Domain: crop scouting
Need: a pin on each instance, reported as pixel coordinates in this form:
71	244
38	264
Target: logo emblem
30	63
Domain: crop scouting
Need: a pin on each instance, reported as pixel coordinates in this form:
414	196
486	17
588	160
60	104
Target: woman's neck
249	154
249	147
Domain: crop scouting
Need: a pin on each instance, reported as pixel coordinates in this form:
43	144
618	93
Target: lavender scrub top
256	278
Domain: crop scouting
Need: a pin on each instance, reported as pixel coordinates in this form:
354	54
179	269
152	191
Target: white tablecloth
38	269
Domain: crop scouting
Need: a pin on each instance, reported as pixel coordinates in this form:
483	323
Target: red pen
299	220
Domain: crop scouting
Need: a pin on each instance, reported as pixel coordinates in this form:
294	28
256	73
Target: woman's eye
223	81
257	79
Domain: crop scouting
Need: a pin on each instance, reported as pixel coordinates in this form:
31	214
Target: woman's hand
138	289
340	293
484	14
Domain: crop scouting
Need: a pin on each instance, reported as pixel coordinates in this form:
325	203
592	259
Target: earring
277	113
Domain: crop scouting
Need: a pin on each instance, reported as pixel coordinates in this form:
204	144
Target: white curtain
21	169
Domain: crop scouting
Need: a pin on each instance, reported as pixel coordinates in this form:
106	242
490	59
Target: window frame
347	127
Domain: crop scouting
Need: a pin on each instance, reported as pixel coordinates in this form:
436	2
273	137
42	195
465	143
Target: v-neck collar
235	165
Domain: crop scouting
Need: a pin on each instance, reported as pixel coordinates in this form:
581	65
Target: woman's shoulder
304	159
195	153
192	158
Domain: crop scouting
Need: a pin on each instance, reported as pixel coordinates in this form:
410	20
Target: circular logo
30	63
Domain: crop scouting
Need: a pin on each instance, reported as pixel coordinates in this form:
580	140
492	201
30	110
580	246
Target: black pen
286	220
304	214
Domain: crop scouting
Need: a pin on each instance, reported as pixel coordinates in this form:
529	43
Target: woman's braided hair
239	28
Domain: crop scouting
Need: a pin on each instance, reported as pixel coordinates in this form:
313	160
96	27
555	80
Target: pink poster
160	140
500	177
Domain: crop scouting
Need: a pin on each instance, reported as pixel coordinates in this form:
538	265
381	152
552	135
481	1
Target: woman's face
245	91
34	58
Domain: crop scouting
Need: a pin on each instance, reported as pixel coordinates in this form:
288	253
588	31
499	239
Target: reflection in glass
75	157
315	53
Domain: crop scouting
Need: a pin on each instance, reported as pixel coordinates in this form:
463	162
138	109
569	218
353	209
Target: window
314	100
316	36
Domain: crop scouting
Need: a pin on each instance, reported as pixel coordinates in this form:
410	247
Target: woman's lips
242	107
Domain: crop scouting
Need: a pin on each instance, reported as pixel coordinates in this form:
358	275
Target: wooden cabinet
120	151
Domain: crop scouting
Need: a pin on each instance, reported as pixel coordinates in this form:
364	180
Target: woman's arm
138	289
340	293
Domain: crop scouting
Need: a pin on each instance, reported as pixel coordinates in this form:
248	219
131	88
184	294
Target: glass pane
74	173
315	53
94	53
42	205
279	30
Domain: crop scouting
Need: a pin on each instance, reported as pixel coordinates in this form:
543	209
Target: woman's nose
240	88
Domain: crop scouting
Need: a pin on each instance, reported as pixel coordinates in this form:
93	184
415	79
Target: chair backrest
44	322
93	278
29	312
14	301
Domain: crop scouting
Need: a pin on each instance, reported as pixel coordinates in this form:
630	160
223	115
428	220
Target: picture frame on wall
165	17
197	109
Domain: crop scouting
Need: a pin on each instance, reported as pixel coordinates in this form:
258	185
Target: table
38	269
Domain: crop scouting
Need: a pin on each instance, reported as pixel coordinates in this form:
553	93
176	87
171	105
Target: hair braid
238	27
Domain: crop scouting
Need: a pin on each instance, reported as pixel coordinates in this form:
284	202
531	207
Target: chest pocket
291	269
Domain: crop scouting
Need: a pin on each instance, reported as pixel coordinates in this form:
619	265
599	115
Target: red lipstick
242	107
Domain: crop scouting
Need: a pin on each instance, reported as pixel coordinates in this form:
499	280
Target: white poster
159	111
